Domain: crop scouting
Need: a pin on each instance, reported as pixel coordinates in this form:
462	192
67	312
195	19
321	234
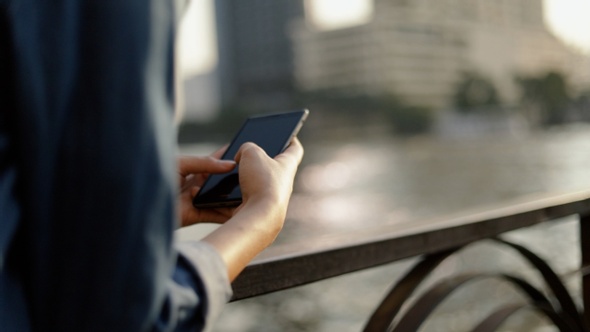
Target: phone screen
271	132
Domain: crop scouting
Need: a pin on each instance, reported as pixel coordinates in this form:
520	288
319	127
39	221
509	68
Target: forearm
246	234
266	187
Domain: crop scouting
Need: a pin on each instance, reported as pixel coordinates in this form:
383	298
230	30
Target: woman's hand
193	171
267	181
266	185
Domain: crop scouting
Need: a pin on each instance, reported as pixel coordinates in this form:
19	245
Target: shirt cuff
211	269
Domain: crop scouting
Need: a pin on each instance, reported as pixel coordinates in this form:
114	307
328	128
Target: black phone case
212	200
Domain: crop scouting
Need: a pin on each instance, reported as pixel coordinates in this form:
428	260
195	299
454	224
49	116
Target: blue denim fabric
87	173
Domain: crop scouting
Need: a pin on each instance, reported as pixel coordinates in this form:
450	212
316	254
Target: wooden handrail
293	264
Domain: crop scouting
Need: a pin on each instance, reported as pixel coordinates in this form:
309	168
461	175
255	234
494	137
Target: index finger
196	164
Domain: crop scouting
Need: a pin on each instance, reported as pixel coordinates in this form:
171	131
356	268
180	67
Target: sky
570	20
567	19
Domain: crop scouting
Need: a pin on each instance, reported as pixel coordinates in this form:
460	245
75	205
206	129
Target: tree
549	94
475	92
363	109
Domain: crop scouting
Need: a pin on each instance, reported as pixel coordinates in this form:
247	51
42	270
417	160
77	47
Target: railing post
585	247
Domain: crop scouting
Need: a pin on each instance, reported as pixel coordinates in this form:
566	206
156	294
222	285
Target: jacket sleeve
93	140
194	303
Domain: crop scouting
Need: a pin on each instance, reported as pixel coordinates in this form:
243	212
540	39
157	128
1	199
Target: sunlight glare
337	14
570	20
197	39
329	177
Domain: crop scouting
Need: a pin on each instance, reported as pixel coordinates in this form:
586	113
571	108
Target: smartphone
272	133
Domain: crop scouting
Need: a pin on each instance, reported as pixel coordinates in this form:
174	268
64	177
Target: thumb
194	165
248	148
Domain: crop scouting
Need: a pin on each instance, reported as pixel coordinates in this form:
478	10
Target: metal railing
290	265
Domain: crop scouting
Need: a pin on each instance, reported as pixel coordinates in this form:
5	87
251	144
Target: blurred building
256	64
419	50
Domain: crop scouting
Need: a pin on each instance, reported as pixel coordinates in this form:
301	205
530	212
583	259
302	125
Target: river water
352	183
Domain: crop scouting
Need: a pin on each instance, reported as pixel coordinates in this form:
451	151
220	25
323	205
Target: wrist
266	216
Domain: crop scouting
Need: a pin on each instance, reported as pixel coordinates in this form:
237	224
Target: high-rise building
419	50
256	63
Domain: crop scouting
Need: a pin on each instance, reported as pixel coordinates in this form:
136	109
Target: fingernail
227	162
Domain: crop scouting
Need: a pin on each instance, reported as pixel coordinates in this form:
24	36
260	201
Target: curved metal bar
557	288
497	318
424	305
393	302
384	315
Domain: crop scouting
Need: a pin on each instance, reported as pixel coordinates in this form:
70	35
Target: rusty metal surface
564	313
397	297
566	302
425	304
291	265
585	248
495	320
